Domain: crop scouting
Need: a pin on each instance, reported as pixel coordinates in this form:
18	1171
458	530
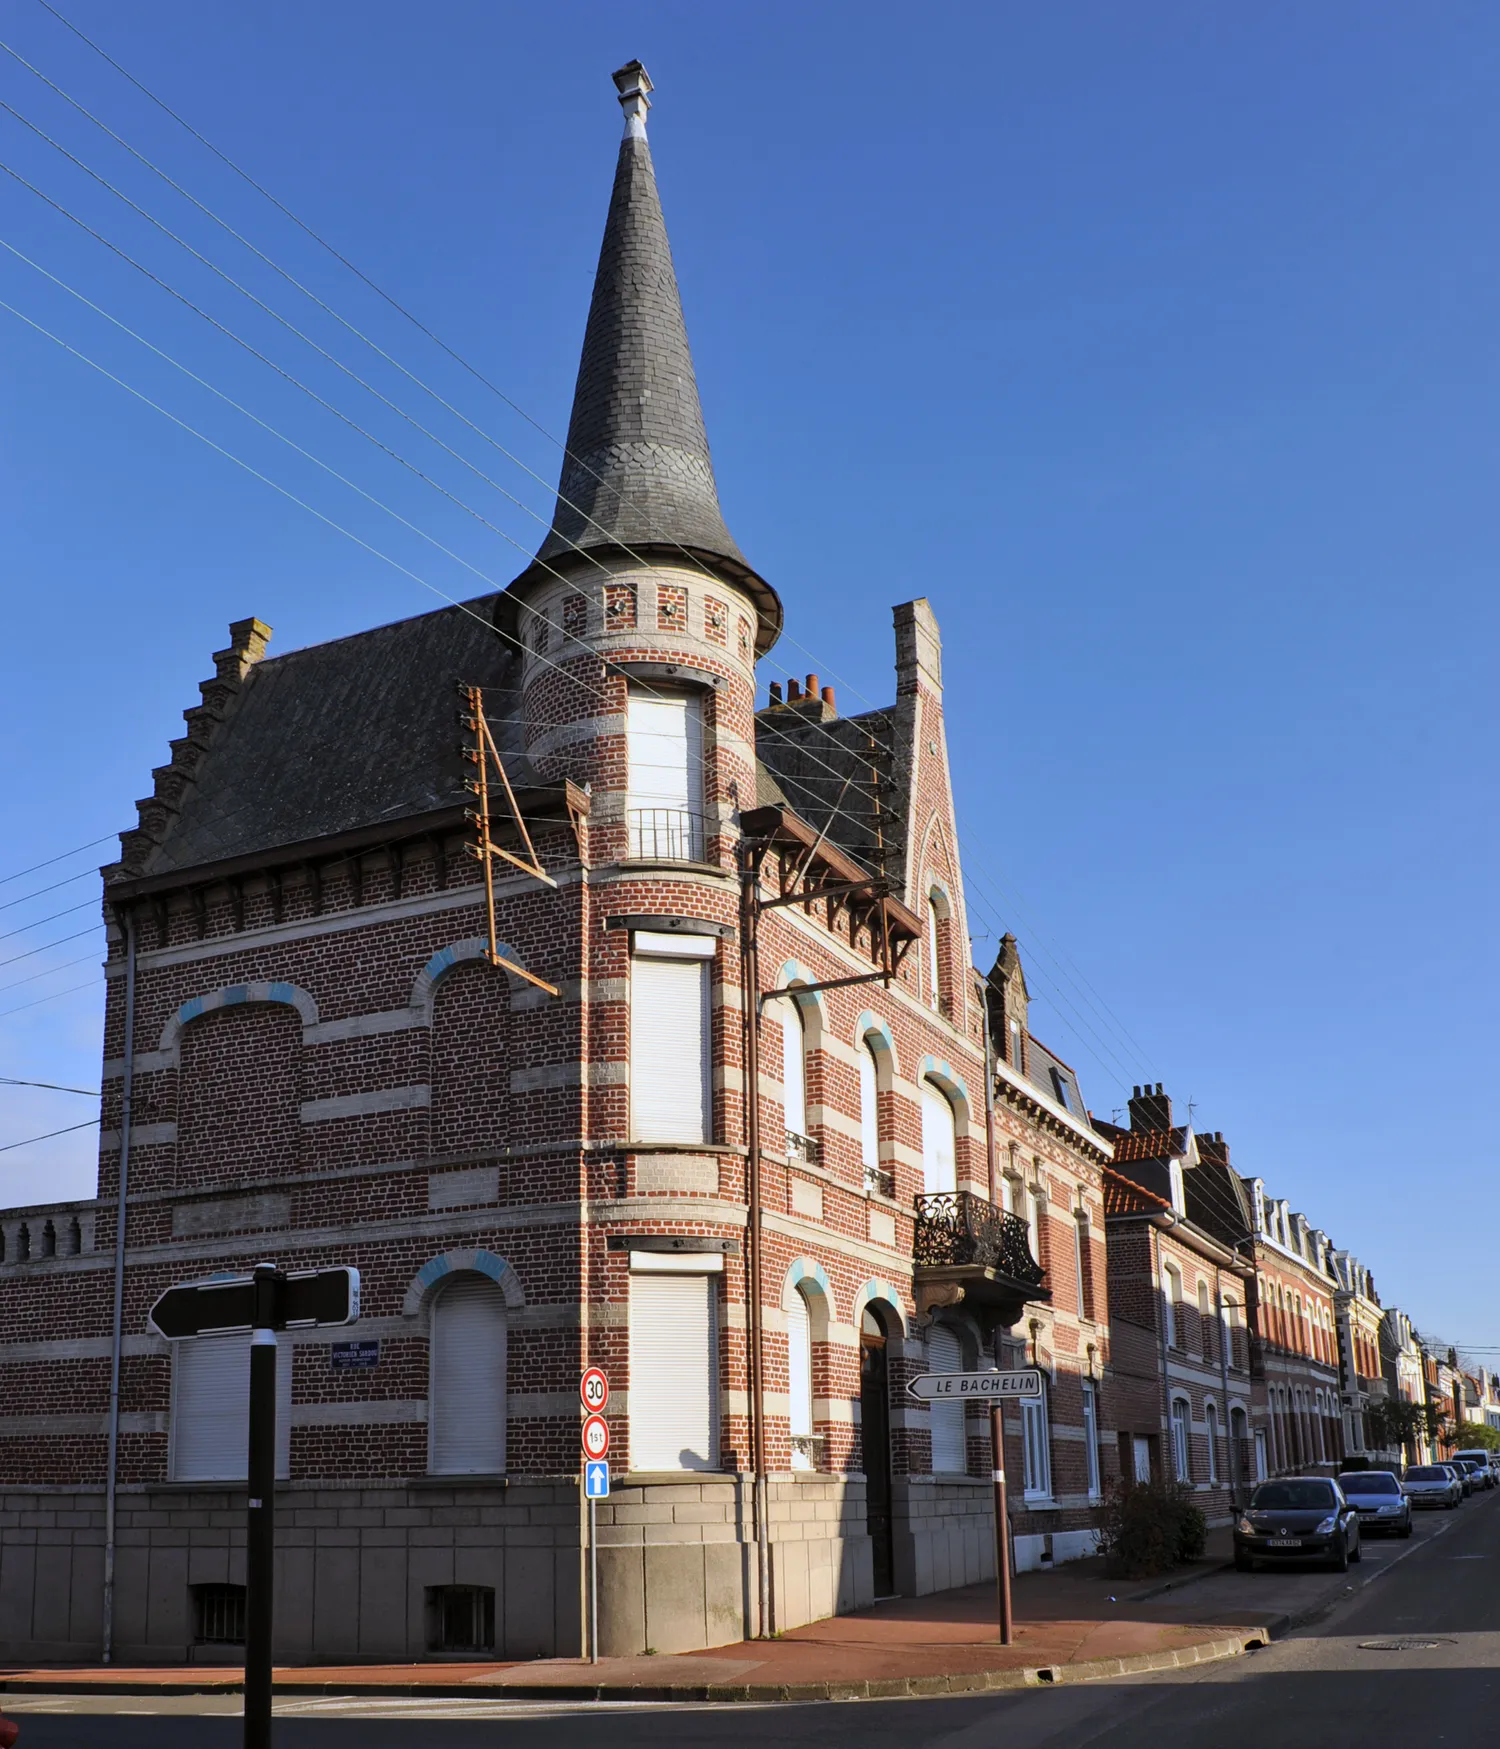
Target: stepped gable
637	473
331	738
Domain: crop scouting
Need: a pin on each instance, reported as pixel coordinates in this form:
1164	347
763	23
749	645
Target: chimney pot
793	691
812	686
775	692
828	697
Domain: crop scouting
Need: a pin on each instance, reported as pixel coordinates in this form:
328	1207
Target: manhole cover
1407	1643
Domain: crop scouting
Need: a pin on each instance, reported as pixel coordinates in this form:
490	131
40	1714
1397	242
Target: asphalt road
1322	1688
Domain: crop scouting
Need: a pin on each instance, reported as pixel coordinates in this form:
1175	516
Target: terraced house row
687	1074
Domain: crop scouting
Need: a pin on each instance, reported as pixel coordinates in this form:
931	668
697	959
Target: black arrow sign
302	1297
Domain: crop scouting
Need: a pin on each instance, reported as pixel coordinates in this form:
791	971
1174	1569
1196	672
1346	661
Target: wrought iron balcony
955	1226
803	1149
968	1250
665	835
880	1182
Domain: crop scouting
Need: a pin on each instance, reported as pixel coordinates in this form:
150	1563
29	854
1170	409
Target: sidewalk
1072	1625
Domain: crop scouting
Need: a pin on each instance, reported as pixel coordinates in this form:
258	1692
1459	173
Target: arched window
1036	1447
466	1390
935	979
939	1143
1211	1430
1181	1420
869	1109
793	1068
1205	1321
800	1381
1171	1299
949	1455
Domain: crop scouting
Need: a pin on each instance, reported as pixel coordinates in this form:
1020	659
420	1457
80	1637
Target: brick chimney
1150	1108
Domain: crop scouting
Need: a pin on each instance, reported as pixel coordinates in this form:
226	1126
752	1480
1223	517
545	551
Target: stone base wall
677	1563
943	1533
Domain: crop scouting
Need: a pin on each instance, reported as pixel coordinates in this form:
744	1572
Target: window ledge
1040	1503
678	865
479	1479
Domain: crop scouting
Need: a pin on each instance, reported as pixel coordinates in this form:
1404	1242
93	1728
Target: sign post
593	1393
262	1303
996	1389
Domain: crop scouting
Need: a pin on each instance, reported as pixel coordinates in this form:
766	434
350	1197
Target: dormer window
934	957
1061	1091
1017	1048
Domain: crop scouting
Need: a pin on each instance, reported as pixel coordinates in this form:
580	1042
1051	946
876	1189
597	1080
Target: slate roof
835	774
344	735
1215	1197
637	471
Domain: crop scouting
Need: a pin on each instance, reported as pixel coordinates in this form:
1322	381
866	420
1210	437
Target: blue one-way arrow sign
596	1481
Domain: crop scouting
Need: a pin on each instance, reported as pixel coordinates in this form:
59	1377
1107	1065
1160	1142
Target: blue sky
1155	345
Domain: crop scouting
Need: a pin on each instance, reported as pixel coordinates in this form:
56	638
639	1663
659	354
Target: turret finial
633	83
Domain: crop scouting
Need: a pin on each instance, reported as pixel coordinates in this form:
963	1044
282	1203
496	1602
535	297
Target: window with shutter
794	1068
869	1110
1036	1447
674	1369
466	1389
211	1408
939	1151
799	1380
1091	1438
669	1044
945	1354
665	747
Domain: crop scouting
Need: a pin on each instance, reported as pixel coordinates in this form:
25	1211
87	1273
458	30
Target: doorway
875	1439
1141	1456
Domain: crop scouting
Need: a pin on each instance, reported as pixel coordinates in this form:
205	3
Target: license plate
1286	1542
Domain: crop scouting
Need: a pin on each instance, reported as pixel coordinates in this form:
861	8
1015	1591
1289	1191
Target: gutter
112	1460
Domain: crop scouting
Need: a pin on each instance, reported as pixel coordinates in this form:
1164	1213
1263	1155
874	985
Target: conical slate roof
637	473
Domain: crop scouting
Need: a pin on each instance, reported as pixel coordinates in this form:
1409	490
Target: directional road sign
596	1481
595	1435
983	1387
593	1388
301	1297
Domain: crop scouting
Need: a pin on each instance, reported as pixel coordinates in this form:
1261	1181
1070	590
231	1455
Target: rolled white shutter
799	1368
945	1354
869	1109
669	1050
674	1370
211	1408
466	1397
939	1168
794	1068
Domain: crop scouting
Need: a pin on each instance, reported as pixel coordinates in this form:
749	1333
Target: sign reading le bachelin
931	1387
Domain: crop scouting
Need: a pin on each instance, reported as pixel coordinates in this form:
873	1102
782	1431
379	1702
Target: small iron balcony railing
665	835
804	1149
880	1182
955	1226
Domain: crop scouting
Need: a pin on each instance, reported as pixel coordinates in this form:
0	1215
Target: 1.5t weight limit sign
595	1437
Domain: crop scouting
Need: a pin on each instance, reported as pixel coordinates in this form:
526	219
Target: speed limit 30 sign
595	1434
593	1388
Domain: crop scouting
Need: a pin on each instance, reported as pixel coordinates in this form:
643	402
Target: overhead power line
63	856
51	1086
52	996
88	1123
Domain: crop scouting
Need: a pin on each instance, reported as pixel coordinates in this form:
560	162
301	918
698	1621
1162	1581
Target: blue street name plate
596	1480
350	1356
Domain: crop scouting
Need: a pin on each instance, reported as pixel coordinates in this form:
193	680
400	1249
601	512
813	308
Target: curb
878	1688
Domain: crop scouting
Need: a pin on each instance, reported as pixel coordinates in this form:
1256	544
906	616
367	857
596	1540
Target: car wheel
1242	1562
1340	1561
1357	1553
1405	1529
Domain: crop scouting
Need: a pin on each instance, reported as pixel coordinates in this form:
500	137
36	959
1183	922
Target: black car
1298	1518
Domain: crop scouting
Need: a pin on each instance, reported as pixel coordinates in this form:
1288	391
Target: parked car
1376	1496
1298	1518
1433	1485
1465	1480
1483	1460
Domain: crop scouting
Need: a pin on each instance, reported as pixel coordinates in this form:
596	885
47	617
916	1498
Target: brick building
709	1108
1186	1403
1357	1314
1294	1339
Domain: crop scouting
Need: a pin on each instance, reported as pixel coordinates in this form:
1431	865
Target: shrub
1146	1528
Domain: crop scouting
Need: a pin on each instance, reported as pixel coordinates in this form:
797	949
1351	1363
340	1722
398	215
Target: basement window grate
219	1615
460	1618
